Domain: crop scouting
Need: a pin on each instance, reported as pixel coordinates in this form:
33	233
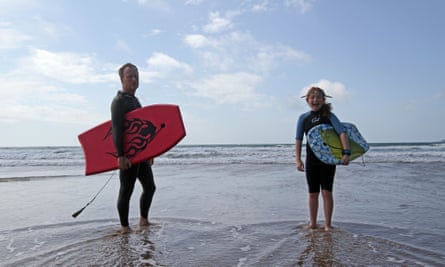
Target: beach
225	205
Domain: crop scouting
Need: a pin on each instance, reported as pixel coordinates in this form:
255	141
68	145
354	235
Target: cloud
155	4
303	5
48	113
334	89
193	2
35	100
67	67
160	66
162	62
411	106
11	38
224	52
270	56
241	51
196	40
439	95
28	89
424	101
264	6
228	88
123	46
14	7
48	29
154	32
217	24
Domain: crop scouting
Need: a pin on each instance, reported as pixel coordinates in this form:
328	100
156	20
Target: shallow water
182	242
228	214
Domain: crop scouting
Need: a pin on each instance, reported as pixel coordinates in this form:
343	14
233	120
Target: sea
225	205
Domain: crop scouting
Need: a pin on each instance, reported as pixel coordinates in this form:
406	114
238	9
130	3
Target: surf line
75	214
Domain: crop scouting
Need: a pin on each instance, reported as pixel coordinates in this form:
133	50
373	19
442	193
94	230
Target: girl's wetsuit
123	103
318	174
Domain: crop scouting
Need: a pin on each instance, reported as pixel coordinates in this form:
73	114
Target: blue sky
237	68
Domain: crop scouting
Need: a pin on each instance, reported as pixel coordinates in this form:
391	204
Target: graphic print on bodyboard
139	135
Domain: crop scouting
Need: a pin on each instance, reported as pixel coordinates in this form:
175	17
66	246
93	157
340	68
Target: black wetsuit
318	174
123	103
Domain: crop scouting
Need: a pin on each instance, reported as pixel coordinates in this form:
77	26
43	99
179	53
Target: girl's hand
300	165
345	160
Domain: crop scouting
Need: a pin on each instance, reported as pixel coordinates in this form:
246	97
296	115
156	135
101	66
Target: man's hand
123	163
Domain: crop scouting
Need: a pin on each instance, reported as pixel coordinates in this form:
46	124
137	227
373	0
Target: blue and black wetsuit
122	104
318	174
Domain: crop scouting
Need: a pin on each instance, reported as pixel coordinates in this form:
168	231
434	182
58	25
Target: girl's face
315	101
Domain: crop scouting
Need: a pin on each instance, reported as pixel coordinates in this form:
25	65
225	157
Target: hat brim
328	96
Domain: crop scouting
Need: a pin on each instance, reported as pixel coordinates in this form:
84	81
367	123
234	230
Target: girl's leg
328	204
313	209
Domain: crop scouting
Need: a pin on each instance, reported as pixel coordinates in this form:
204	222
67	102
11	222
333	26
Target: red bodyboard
149	132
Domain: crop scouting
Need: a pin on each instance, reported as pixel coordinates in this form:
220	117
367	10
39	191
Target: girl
318	174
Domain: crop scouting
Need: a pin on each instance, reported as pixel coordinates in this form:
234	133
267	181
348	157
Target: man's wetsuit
318	174
123	103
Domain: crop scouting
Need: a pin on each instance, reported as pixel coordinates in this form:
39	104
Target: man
125	101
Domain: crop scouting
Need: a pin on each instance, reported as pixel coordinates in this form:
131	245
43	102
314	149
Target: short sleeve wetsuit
318	174
122	104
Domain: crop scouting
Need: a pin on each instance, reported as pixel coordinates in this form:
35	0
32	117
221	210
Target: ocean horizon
383	143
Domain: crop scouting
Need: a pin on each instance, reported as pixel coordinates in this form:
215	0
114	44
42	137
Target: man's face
130	80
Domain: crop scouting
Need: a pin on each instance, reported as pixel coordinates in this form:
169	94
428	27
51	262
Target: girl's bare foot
310	227
328	228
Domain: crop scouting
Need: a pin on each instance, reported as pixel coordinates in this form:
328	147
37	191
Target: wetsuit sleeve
117	121
300	127
338	126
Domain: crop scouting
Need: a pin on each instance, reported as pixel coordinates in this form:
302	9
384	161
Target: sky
236	68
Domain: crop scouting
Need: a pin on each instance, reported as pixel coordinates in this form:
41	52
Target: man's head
129	76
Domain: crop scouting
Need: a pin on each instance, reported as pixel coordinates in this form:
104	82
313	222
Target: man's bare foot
125	230
143	221
310	226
